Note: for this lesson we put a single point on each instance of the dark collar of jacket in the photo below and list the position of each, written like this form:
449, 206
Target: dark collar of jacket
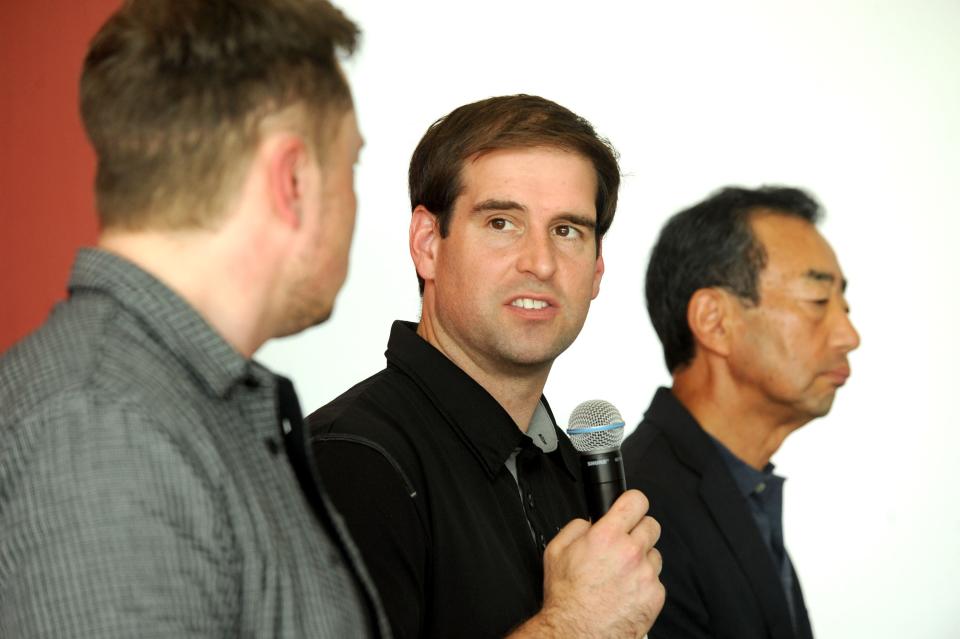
486, 429
719, 492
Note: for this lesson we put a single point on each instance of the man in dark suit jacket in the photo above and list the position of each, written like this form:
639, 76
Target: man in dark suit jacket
748, 300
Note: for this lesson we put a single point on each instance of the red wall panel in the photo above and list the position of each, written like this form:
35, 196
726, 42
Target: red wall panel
46, 164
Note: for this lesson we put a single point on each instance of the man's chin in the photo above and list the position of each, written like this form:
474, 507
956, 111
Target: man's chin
529, 359
822, 406
303, 322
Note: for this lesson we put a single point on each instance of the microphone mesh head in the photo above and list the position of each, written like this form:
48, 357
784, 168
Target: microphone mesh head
595, 425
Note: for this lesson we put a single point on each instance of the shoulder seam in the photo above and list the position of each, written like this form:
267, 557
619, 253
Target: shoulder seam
363, 441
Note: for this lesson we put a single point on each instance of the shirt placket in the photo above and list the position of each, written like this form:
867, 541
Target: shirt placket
528, 462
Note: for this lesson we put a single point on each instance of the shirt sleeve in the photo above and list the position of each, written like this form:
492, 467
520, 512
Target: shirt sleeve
111, 528
380, 505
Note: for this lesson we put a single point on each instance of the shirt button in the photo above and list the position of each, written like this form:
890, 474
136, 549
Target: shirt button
272, 445
761, 487
530, 502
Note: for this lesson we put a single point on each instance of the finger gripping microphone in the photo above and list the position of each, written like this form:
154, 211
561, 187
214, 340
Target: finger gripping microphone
596, 430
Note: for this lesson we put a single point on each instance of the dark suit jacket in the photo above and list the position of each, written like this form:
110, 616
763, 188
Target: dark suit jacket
720, 578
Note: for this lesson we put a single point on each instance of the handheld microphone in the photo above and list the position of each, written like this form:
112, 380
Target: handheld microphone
596, 430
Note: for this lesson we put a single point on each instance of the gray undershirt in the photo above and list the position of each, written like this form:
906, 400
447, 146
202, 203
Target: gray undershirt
541, 432
544, 436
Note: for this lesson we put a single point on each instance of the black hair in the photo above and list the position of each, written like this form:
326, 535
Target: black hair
711, 244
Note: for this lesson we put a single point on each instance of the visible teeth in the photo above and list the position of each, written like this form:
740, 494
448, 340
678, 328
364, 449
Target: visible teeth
528, 303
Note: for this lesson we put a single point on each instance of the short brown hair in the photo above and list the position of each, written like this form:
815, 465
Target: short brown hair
505, 122
173, 93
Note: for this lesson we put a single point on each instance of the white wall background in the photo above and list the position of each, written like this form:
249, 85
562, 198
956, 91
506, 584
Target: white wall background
857, 101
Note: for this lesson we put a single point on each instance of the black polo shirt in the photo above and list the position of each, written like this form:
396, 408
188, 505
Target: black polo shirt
415, 459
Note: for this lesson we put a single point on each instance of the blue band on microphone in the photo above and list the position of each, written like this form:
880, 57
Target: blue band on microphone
594, 429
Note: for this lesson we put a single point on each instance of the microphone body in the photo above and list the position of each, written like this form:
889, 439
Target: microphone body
603, 480
596, 430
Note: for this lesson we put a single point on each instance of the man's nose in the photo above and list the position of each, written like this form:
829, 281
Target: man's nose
538, 256
845, 335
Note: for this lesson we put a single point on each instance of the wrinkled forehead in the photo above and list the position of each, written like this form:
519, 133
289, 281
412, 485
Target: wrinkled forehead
794, 250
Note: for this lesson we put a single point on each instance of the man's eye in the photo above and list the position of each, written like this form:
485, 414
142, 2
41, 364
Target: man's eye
500, 224
565, 230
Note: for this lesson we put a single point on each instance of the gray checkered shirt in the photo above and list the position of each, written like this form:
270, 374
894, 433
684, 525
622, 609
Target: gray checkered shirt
144, 489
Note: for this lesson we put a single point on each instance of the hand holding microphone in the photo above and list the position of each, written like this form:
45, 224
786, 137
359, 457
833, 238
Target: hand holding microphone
601, 580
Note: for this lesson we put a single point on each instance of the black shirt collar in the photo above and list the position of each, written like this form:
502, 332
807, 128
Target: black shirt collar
667, 410
749, 480
483, 424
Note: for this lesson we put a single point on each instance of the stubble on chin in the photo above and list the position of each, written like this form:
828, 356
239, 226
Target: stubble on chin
301, 315
525, 352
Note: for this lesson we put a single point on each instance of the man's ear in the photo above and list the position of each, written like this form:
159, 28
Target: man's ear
598, 270
710, 320
286, 162
424, 242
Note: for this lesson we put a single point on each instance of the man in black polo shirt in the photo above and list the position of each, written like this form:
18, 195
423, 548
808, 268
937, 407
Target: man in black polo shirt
748, 300
448, 466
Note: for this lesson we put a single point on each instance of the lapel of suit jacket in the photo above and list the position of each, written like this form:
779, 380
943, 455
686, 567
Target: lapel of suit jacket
804, 630
727, 507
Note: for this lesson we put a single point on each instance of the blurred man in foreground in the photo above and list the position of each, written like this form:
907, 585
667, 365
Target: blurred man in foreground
149, 468
748, 300
448, 466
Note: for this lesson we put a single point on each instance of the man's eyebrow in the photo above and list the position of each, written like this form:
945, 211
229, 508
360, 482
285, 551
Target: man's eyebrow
823, 276
494, 204
579, 220
498, 205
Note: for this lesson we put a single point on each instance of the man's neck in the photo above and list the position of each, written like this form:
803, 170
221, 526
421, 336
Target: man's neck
208, 272
731, 415
517, 390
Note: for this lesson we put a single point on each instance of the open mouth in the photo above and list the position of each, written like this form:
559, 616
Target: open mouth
529, 303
